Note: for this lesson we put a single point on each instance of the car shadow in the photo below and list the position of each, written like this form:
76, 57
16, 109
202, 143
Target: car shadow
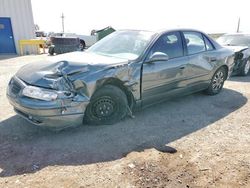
240, 78
26, 148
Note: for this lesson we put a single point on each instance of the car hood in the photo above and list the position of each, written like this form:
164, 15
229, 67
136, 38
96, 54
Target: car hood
45, 73
237, 48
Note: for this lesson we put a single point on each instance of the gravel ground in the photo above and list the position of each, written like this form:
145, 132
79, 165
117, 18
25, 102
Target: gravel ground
193, 141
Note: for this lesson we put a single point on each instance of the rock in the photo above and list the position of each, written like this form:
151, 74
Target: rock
131, 165
204, 169
17, 181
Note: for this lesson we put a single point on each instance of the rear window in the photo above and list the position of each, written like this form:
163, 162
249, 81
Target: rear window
195, 42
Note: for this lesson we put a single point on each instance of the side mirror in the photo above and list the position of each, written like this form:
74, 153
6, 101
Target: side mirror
158, 56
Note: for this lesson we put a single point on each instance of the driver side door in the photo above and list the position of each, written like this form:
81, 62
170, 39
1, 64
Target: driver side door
162, 77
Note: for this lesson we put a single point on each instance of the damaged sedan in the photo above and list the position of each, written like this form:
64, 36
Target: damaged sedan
240, 44
128, 69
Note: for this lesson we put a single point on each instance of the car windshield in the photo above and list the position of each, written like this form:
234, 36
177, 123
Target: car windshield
123, 44
234, 40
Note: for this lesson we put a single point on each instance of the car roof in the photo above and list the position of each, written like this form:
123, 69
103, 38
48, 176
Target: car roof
178, 29
161, 31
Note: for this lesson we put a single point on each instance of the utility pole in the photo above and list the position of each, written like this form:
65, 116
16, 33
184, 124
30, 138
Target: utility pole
238, 28
62, 22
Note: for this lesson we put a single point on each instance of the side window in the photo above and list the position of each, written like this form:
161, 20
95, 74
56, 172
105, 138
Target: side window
209, 45
195, 42
169, 44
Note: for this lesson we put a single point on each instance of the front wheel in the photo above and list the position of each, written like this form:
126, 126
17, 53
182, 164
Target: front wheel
217, 82
107, 106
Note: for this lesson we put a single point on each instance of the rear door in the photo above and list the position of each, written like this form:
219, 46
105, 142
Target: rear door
201, 57
7, 45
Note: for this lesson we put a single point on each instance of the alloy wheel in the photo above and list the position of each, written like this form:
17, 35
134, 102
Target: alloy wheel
218, 81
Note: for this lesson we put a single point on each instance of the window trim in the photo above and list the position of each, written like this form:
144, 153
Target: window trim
204, 37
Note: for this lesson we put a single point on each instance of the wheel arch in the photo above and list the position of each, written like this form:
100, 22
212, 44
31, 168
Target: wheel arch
120, 84
226, 69
82, 40
83, 43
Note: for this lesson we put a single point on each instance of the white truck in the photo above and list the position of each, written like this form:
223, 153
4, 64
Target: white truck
95, 36
85, 40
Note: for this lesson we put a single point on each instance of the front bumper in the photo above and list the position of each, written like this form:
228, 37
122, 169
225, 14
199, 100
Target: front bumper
60, 113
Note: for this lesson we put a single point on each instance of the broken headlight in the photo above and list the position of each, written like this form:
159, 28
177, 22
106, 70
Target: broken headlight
39, 93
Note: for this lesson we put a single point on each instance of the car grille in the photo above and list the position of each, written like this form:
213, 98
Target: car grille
15, 87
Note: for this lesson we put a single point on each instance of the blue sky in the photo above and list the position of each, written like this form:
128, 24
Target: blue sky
81, 16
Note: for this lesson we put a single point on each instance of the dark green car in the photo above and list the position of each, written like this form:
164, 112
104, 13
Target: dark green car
126, 70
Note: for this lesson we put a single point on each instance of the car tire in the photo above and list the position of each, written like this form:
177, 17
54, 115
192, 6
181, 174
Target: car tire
245, 69
107, 106
51, 50
217, 82
82, 45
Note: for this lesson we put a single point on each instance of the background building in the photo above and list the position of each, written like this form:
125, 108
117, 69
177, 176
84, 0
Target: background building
16, 23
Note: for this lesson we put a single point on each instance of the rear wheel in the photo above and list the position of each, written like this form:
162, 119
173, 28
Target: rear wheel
245, 69
82, 45
217, 82
107, 106
51, 50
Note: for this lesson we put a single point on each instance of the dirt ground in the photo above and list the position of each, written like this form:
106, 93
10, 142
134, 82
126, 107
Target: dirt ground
193, 141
